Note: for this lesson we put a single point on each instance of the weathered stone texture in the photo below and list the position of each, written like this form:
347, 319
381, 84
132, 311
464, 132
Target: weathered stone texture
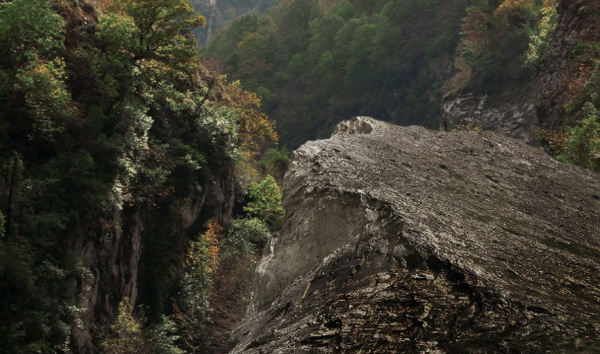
407, 240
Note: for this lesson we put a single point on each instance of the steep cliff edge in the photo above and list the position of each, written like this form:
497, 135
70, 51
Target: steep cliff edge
403, 239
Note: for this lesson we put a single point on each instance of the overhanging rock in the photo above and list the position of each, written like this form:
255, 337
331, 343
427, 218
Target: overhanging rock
407, 240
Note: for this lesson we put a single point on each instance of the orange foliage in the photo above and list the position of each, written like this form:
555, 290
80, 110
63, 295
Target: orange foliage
213, 241
554, 142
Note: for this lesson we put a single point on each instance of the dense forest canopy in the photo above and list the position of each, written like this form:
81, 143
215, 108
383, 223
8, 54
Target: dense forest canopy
318, 62
220, 14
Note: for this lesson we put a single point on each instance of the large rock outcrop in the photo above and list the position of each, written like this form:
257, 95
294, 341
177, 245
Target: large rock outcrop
516, 119
407, 240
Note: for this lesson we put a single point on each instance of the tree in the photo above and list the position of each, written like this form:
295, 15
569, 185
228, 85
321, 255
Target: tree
583, 141
126, 335
162, 29
29, 29
265, 202
255, 129
246, 236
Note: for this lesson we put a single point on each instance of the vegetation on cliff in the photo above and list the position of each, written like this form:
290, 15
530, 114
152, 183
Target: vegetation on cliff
104, 107
223, 12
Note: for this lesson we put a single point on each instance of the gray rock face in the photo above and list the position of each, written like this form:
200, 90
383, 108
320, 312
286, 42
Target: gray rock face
514, 119
407, 240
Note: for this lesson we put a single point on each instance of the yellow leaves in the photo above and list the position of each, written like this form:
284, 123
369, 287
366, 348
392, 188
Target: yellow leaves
255, 129
46, 96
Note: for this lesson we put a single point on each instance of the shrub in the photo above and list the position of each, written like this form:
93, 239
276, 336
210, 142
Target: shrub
265, 202
583, 141
246, 235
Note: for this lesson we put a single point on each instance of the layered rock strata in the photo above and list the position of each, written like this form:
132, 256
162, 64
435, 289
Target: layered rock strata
407, 240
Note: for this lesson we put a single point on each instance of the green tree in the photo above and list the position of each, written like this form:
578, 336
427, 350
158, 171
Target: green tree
29, 29
265, 202
583, 141
246, 236
127, 335
161, 27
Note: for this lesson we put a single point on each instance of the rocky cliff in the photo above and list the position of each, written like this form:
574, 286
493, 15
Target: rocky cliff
577, 24
516, 119
116, 261
406, 240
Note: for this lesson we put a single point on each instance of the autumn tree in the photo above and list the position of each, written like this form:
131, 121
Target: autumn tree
255, 129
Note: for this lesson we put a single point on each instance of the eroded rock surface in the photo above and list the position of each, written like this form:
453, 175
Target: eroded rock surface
516, 119
407, 240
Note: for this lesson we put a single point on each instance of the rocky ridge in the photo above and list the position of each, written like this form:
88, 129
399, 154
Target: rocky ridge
403, 239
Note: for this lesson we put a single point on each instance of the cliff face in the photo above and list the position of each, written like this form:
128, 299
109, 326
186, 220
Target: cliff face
516, 119
115, 263
577, 23
403, 239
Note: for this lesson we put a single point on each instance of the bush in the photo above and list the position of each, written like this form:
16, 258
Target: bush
583, 141
246, 235
275, 162
265, 202
129, 337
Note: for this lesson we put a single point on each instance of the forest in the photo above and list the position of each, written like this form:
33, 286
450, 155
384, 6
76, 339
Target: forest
140, 174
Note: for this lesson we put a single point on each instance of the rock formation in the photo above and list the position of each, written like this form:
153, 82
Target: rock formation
577, 23
516, 119
407, 240
115, 263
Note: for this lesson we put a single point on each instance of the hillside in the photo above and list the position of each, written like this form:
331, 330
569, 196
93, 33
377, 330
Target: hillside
220, 14
318, 62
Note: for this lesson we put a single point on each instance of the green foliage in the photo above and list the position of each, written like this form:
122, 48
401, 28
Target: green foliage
496, 40
46, 97
33, 321
160, 28
246, 236
2, 223
583, 141
265, 202
161, 337
321, 61
541, 34
196, 281
275, 162
29, 30
116, 115
126, 336
225, 12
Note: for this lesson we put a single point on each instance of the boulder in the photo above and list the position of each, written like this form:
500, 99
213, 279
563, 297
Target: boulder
400, 239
